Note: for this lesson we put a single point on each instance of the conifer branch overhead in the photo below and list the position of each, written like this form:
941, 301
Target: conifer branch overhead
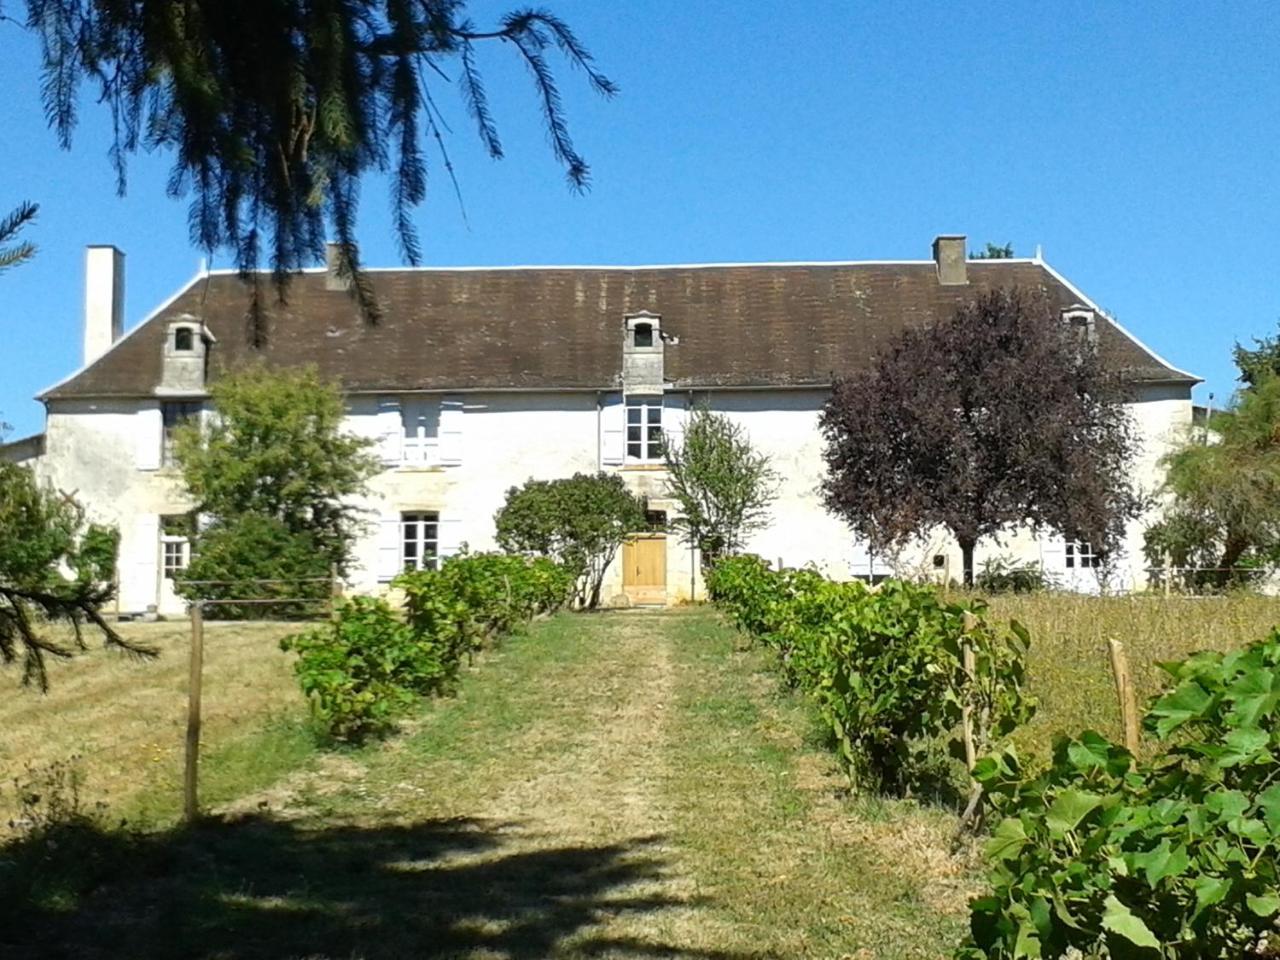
12, 254
275, 112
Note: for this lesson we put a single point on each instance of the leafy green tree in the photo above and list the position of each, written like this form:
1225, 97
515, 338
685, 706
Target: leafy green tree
272, 473
1261, 362
12, 251
998, 416
579, 521
1223, 512
993, 252
275, 112
53, 569
723, 484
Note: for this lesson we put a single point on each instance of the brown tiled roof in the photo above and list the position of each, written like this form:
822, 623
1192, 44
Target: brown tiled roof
561, 327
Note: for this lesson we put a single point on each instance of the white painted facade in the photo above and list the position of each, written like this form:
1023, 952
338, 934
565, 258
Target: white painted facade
463, 451
449, 458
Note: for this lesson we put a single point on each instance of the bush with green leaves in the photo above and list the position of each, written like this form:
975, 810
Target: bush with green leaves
363, 669
369, 665
259, 558
475, 596
1005, 575
578, 521
1176, 857
885, 665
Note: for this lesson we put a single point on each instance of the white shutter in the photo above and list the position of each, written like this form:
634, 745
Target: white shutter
390, 430
451, 430
140, 575
450, 536
389, 547
147, 430
675, 414
613, 430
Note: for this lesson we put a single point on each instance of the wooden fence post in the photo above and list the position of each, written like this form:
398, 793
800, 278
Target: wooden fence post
946, 574
335, 590
966, 712
1168, 577
190, 781
1124, 692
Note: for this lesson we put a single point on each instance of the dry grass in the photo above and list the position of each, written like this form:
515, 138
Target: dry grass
1070, 670
126, 719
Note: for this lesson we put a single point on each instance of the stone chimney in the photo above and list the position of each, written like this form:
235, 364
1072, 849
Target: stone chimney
337, 274
949, 256
103, 300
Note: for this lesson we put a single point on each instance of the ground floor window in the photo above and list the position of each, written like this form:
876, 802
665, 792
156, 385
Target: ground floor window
1080, 553
175, 544
420, 541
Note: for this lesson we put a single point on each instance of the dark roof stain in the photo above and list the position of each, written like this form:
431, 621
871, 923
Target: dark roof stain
561, 327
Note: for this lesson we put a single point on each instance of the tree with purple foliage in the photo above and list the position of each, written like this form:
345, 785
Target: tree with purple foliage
1000, 416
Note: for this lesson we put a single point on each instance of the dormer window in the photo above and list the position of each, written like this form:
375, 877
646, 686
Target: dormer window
1083, 324
644, 335
183, 340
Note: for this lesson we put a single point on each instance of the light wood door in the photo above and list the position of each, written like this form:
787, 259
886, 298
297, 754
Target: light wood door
644, 569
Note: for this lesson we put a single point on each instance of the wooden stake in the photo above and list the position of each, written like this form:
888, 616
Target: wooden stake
966, 712
946, 575
1168, 576
191, 806
335, 589
1124, 693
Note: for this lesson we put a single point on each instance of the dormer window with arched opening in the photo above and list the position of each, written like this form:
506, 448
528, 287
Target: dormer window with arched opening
643, 335
183, 340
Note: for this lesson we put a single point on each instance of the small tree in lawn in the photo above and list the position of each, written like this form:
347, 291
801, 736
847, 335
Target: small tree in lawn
579, 521
1000, 415
723, 485
53, 569
272, 474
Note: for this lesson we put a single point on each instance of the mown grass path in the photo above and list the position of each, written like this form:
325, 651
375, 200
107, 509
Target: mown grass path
619, 785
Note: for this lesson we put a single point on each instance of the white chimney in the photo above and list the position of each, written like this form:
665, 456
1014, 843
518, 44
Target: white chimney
103, 300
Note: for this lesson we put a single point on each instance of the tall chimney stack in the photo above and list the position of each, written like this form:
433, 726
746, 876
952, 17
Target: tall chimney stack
949, 255
103, 300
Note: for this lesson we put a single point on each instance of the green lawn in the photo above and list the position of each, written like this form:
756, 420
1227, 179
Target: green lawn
623, 785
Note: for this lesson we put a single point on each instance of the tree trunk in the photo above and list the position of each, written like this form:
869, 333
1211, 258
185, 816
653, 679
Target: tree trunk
1232, 551
966, 552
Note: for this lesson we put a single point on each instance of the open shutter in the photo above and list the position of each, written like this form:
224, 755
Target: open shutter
388, 564
140, 577
390, 430
450, 536
675, 415
613, 425
451, 430
147, 429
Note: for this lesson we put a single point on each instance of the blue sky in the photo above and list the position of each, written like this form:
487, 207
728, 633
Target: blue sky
1137, 143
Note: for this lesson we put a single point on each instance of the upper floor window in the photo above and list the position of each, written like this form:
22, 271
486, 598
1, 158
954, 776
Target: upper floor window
174, 413
420, 420
643, 335
183, 340
644, 429
419, 541
1081, 554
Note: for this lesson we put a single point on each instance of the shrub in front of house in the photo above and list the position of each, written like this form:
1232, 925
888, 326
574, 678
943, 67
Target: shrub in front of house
884, 666
368, 665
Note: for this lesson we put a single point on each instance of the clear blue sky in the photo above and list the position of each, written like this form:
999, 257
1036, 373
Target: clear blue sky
1138, 143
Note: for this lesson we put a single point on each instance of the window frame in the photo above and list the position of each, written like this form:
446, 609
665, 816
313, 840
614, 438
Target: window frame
1080, 555
173, 414
651, 448
422, 445
181, 334
180, 539
419, 520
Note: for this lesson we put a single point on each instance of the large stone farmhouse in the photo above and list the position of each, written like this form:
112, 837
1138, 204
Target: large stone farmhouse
478, 379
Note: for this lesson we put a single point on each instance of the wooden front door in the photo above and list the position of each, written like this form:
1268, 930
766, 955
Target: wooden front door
644, 568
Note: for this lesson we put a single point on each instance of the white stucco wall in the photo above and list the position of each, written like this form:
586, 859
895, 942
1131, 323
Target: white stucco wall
106, 453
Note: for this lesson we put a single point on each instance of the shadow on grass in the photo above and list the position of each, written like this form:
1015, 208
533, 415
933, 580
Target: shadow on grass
258, 887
